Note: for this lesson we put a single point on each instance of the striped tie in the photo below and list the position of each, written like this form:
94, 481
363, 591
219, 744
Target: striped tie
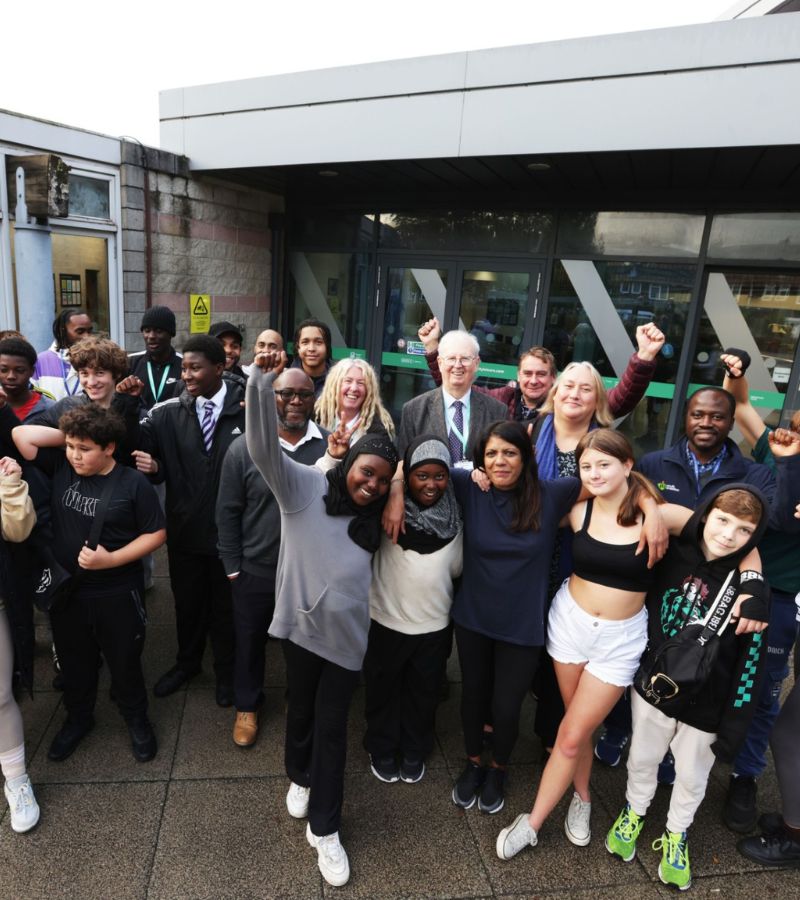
207, 426
453, 440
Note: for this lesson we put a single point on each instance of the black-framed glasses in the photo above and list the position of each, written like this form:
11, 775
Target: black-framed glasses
286, 394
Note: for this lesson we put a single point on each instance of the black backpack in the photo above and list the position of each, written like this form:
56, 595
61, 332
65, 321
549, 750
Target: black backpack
671, 676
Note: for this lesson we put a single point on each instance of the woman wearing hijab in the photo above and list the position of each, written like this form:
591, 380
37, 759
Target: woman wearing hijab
330, 527
410, 600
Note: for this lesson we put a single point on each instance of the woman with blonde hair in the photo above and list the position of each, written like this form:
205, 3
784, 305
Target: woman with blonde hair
352, 393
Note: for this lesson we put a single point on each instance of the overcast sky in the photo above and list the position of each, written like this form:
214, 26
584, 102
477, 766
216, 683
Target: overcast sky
100, 65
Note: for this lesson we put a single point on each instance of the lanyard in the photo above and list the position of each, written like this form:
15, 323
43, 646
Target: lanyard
66, 369
454, 428
157, 393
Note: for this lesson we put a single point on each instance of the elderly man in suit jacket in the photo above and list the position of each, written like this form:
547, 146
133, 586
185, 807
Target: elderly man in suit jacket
454, 412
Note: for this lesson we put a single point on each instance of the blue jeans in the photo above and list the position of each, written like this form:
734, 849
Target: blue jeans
751, 758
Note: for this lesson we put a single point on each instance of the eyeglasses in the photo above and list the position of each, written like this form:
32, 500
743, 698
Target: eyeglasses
460, 360
286, 394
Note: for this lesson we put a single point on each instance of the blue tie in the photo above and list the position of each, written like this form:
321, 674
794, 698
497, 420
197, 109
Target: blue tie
207, 425
453, 440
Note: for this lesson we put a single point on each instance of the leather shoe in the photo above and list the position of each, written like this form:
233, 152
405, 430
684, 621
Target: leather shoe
143, 739
224, 694
68, 738
245, 729
171, 681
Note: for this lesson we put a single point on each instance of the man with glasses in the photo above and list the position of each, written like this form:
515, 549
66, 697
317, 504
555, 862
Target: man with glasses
455, 412
249, 536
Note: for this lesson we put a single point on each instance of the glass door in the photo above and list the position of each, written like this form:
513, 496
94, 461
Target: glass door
408, 295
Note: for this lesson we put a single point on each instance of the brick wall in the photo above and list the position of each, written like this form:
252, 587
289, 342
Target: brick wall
208, 237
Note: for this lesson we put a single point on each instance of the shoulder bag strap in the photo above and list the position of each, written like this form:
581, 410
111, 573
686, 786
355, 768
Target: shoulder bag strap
717, 617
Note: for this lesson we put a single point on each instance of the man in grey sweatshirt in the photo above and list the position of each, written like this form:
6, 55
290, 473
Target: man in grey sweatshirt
249, 529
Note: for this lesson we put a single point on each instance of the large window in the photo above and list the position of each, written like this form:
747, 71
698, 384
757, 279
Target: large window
593, 313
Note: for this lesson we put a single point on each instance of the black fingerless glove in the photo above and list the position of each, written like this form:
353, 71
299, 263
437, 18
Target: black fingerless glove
743, 355
757, 605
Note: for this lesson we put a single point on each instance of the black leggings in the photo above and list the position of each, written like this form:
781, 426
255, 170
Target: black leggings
495, 676
784, 742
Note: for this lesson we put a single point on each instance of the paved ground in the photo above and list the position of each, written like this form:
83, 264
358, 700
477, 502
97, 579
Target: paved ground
207, 819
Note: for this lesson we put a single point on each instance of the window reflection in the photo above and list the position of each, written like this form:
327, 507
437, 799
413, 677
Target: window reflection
529, 232
332, 287
493, 307
629, 233
773, 236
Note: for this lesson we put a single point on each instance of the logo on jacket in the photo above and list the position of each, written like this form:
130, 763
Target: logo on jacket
45, 582
663, 486
237, 430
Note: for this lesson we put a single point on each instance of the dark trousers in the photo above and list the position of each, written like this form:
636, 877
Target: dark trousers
402, 676
115, 626
316, 732
549, 705
202, 607
253, 607
495, 675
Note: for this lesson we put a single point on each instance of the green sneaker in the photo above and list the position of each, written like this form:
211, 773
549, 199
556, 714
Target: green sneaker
621, 840
674, 866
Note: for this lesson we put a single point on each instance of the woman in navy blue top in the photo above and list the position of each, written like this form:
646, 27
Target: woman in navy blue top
499, 607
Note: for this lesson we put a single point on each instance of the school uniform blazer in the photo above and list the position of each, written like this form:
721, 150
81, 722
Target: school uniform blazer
425, 415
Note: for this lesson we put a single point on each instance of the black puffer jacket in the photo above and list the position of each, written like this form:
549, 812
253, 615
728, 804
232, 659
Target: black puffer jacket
171, 433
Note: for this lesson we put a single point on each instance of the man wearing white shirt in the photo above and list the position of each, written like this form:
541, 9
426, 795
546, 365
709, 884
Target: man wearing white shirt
248, 524
184, 442
454, 412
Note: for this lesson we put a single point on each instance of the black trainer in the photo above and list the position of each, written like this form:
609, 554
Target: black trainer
492, 798
69, 736
143, 739
384, 768
468, 784
777, 849
171, 681
740, 813
411, 770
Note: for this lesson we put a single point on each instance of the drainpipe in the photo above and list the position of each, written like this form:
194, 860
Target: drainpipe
33, 258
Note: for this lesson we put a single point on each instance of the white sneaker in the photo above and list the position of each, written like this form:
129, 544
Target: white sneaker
576, 824
516, 837
331, 857
297, 801
22, 803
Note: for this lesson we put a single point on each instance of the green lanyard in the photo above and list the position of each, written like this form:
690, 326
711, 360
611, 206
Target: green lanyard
157, 393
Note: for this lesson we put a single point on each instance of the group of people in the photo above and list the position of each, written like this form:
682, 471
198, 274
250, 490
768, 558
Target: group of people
513, 520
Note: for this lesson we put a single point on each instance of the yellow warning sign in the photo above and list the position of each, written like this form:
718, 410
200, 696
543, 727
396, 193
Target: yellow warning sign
199, 313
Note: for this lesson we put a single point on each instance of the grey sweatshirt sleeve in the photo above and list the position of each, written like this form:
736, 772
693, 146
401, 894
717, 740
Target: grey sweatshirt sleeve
231, 500
293, 484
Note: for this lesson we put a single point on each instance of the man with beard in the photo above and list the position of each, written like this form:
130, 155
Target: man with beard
249, 529
158, 366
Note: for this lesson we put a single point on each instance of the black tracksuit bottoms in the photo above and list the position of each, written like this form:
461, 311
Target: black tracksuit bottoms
203, 607
403, 675
253, 607
114, 626
320, 693
495, 676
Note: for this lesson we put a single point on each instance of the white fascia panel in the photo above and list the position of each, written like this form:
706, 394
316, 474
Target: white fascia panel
171, 136
38, 134
170, 104
775, 38
395, 128
719, 108
395, 77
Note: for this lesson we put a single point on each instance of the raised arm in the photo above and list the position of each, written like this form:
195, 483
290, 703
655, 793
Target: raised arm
747, 418
639, 373
294, 485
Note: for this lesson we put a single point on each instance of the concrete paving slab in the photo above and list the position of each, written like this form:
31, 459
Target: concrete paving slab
104, 755
555, 864
232, 839
408, 840
93, 842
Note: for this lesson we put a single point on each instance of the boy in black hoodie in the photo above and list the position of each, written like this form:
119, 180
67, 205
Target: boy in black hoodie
716, 542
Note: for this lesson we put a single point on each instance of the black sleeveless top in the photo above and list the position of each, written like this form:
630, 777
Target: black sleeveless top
611, 565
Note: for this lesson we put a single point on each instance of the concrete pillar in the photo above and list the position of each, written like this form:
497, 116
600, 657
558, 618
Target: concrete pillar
33, 261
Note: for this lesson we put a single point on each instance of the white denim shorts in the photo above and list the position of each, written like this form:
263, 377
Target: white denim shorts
610, 649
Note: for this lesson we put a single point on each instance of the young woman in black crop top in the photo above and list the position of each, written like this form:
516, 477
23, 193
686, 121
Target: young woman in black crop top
597, 628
